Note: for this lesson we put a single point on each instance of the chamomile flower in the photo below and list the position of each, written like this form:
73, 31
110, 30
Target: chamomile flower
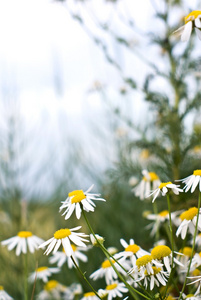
164, 188
188, 218
43, 273
77, 200
149, 181
51, 290
159, 219
158, 277
89, 296
192, 181
145, 264
4, 295
131, 251
192, 20
60, 257
115, 289
63, 237
108, 272
23, 241
163, 254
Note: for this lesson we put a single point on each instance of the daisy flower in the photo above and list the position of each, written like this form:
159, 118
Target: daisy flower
159, 219
108, 272
164, 188
95, 241
193, 20
149, 181
78, 200
63, 237
145, 264
163, 254
184, 260
188, 218
192, 181
115, 289
23, 241
51, 290
60, 257
4, 295
43, 273
131, 251
89, 296
158, 277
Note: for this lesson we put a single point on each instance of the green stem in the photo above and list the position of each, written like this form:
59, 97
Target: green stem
132, 290
193, 247
83, 275
25, 276
157, 222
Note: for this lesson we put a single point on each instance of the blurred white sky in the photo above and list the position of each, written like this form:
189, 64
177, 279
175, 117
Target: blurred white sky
48, 63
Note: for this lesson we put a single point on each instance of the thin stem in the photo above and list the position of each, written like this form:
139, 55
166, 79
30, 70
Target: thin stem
157, 222
83, 275
193, 247
25, 276
132, 290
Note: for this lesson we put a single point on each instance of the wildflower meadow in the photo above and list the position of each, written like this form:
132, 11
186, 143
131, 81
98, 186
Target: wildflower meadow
67, 249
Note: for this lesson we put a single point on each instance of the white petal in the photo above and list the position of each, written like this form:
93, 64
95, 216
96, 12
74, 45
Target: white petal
78, 210
187, 31
195, 183
197, 22
198, 31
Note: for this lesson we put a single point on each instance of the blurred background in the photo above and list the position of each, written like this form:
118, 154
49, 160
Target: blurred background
92, 92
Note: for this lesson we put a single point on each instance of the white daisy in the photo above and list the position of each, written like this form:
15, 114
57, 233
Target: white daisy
77, 200
193, 20
192, 181
144, 264
89, 296
115, 289
63, 237
158, 277
95, 241
51, 290
189, 218
159, 219
164, 188
149, 181
60, 257
4, 295
131, 251
163, 254
108, 272
43, 273
183, 256
23, 240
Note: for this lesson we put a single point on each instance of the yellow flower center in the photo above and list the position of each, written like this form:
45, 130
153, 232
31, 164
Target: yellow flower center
89, 294
189, 295
133, 248
163, 184
155, 269
163, 213
74, 247
77, 196
196, 272
111, 286
197, 173
153, 176
24, 234
189, 214
161, 251
106, 264
62, 233
1, 288
192, 16
50, 285
41, 269
143, 261
186, 251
